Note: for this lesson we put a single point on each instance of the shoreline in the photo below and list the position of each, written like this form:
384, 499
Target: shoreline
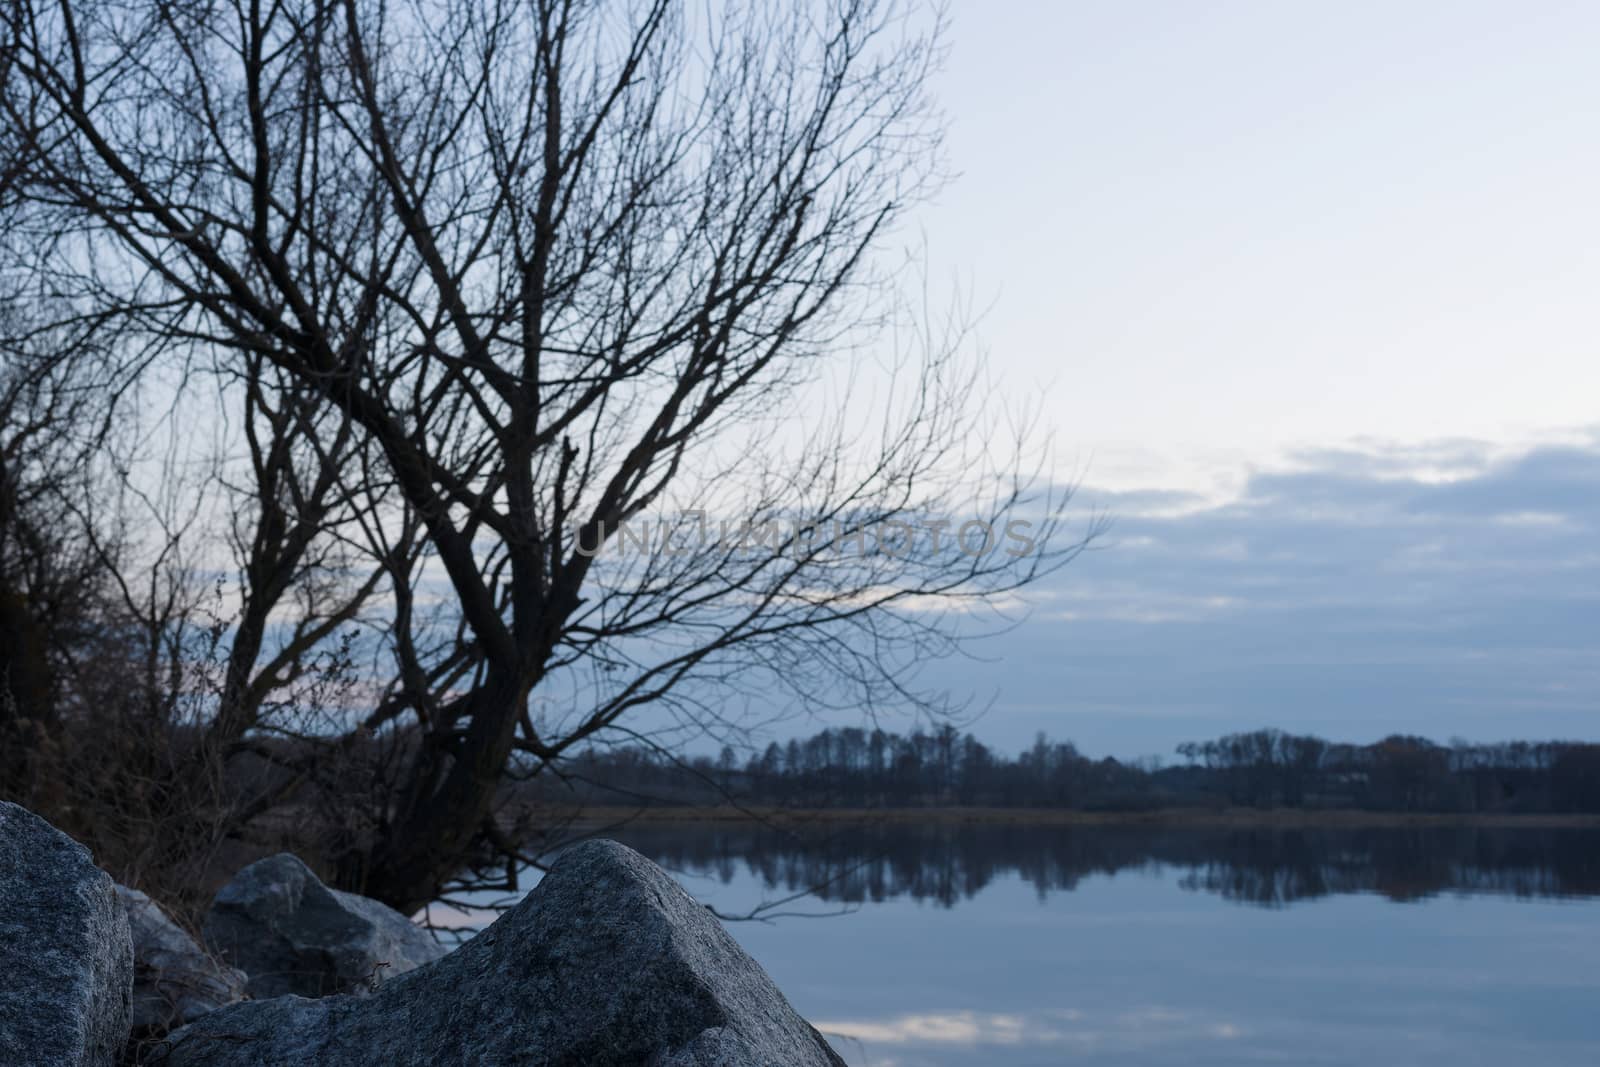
1160, 818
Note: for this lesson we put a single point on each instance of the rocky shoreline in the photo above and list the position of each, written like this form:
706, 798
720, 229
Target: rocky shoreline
607, 961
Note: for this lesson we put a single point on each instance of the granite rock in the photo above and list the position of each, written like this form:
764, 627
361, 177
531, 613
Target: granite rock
291, 934
66, 958
607, 962
175, 981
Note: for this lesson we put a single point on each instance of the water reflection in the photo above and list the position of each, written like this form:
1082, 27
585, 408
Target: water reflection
1125, 972
1271, 867
1058, 1031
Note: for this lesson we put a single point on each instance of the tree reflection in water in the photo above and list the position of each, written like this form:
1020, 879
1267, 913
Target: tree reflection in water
1270, 867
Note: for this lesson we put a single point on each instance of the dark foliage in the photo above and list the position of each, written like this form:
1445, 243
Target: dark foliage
1263, 769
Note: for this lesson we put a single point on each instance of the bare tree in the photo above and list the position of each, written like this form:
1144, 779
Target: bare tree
127, 680
547, 269
46, 573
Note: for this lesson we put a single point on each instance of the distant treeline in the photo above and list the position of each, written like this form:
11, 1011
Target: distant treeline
1266, 768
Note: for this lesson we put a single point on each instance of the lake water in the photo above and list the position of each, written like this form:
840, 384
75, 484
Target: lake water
1012, 945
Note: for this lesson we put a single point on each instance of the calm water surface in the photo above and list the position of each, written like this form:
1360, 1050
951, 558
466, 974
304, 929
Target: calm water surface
1041, 945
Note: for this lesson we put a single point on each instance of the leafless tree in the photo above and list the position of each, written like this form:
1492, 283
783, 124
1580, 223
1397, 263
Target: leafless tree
499, 280
46, 575
126, 679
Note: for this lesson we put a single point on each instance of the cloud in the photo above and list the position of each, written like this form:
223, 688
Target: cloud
1444, 588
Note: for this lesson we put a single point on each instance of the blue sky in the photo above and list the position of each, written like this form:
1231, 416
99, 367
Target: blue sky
1312, 289
1232, 228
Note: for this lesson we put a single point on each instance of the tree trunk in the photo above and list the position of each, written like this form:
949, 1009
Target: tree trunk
429, 839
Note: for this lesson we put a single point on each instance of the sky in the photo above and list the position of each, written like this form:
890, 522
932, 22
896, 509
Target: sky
1310, 291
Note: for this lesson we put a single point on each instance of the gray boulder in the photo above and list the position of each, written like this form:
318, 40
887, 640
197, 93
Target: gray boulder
175, 981
607, 962
66, 961
293, 935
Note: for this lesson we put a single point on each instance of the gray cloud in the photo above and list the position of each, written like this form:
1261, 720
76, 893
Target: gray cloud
1443, 589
